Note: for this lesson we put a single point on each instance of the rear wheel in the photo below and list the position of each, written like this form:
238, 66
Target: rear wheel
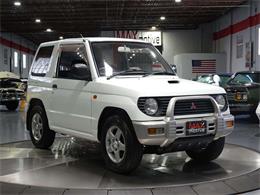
121, 150
41, 136
211, 152
12, 105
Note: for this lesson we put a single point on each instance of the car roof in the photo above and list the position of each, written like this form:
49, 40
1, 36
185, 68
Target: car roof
245, 72
92, 39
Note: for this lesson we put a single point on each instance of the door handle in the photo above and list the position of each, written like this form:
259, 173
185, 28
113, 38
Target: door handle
54, 86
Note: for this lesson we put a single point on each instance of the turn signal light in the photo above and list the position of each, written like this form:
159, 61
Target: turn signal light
229, 123
154, 131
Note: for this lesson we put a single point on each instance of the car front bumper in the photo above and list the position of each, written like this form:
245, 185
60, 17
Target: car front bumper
241, 107
172, 128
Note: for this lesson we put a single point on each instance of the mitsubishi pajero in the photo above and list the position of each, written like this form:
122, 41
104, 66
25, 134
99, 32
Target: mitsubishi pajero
124, 95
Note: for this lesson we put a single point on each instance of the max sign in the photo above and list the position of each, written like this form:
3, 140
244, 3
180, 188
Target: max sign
154, 37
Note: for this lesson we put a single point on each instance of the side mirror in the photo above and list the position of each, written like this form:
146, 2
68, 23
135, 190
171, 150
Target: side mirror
81, 71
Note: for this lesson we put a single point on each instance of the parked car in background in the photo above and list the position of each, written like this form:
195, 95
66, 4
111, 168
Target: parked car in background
243, 91
215, 79
11, 90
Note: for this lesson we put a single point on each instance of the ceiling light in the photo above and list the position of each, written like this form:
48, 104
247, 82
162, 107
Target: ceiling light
37, 20
48, 30
17, 3
153, 28
61, 37
178, 1
162, 18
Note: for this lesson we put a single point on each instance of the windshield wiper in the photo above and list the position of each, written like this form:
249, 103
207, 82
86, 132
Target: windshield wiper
159, 73
127, 71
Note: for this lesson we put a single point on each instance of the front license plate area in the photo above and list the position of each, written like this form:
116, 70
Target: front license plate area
196, 128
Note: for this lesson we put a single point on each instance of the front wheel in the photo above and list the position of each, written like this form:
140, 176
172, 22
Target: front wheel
211, 152
121, 150
12, 105
41, 136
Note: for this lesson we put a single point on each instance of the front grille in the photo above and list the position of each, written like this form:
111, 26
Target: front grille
10, 94
193, 106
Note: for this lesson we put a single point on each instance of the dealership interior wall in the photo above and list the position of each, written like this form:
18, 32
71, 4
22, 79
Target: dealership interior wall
240, 26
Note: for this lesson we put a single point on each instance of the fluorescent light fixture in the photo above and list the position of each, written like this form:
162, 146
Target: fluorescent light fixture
178, 1
61, 37
15, 59
162, 18
17, 3
153, 28
48, 30
24, 61
37, 20
259, 41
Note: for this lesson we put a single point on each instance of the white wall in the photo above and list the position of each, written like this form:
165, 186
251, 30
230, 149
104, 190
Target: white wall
23, 72
184, 63
228, 44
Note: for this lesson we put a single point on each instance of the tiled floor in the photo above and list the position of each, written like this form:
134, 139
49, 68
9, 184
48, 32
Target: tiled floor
19, 157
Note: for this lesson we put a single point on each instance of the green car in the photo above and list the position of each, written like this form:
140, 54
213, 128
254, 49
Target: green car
243, 92
209, 78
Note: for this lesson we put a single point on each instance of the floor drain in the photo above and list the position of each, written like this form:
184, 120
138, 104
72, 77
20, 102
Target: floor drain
257, 135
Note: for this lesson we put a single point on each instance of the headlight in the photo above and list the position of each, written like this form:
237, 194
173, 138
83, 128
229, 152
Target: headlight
221, 100
150, 106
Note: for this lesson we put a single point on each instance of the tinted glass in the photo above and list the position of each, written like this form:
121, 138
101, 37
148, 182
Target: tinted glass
114, 57
246, 78
42, 61
73, 63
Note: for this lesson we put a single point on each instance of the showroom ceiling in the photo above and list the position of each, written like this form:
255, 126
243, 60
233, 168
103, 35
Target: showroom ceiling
70, 18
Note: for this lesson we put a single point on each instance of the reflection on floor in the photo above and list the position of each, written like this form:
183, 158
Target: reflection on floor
76, 164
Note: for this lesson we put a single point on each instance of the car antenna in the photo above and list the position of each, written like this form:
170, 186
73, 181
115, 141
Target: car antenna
82, 37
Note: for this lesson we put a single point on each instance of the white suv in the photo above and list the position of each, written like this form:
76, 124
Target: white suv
123, 94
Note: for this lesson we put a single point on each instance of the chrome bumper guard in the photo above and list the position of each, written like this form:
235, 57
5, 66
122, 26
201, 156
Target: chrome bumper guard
175, 127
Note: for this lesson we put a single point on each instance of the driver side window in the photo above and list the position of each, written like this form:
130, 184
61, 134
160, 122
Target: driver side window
73, 63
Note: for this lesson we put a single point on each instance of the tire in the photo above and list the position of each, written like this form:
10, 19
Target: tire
46, 137
12, 106
213, 150
131, 157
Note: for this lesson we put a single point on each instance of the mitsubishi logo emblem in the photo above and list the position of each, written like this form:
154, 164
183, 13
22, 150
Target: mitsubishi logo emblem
193, 106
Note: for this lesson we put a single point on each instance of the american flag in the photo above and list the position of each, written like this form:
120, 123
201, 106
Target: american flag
203, 66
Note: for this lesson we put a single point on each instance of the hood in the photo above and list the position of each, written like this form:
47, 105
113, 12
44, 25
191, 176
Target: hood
7, 75
154, 86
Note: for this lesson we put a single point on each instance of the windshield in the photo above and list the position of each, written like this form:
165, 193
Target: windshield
128, 58
245, 78
205, 79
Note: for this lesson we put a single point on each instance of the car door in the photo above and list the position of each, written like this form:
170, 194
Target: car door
71, 96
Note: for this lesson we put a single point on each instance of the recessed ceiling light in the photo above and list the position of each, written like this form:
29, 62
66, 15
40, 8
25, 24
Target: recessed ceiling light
17, 3
153, 28
178, 1
162, 18
48, 30
61, 37
37, 20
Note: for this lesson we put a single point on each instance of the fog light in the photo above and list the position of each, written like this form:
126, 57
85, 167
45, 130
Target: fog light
229, 124
154, 131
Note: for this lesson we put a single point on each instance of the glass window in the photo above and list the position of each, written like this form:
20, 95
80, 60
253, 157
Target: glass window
128, 58
246, 78
24, 61
42, 61
73, 63
15, 59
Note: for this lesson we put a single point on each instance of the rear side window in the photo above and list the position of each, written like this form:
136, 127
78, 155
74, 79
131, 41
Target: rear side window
42, 61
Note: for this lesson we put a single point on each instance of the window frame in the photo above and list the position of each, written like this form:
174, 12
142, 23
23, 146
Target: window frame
59, 58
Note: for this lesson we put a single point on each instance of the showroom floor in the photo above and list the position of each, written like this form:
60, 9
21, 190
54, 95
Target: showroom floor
69, 165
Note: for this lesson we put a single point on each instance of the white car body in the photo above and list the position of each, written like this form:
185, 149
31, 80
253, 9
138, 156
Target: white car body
258, 111
72, 109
